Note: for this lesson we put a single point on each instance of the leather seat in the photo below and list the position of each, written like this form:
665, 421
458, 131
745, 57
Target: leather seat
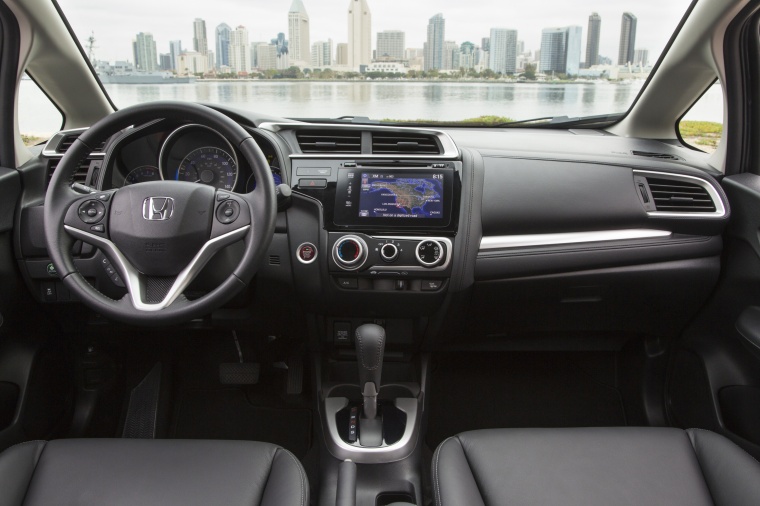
118, 472
594, 466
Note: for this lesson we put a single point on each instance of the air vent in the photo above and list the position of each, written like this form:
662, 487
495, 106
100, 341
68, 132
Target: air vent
394, 143
678, 196
659, 156
274, 260
68, 140
330, 141
79, 177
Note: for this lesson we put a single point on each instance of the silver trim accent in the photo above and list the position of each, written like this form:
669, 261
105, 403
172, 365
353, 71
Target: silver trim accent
523, 241
161, 206
373, 455
305, 262
359, 261
49, 150
232, 152
417, 268
720, 210
442, 256
450, 149
133, 278
391, 258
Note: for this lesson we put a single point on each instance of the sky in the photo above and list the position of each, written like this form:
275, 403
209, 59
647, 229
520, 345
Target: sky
116, 22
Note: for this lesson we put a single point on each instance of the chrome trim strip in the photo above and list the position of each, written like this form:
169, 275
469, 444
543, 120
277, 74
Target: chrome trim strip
372, 455
450, 149
528, 240
133, 278
720, 209
418, 268
49, 150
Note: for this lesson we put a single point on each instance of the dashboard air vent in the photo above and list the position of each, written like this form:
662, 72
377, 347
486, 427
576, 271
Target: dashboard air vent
79, 177
68, 140
660, 156
680, 196
330, 141
394, 143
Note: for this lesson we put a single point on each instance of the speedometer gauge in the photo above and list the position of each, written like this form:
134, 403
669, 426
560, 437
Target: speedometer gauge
212, 166
142, 174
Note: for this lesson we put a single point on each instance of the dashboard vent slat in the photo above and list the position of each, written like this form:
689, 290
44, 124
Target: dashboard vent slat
394, 143
68, 141
680, 196
79, 177
330, 141
660, 156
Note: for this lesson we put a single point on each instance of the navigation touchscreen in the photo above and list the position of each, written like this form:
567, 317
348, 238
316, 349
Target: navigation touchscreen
394, 197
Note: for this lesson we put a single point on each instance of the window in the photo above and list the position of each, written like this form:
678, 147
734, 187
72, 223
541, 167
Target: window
702, 126
38, 118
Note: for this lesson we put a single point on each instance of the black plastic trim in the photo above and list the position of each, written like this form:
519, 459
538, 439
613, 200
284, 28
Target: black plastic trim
9, 54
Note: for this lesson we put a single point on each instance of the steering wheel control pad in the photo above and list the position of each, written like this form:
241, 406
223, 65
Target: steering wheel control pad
160, 226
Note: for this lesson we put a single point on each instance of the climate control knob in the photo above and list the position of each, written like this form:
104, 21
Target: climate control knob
389, 252
430, 253
350, 252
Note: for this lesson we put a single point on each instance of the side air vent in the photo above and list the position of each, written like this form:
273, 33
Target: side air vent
677, 196
394, 143
330, 141
274, 259
68, 140
659, 156
79, 177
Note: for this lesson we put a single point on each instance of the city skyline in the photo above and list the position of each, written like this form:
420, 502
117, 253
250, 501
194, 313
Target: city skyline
327, 21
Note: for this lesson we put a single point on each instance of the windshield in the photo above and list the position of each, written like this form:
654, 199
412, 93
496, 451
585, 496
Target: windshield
389, 60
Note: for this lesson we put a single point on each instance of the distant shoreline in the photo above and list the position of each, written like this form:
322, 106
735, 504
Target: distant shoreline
479, 81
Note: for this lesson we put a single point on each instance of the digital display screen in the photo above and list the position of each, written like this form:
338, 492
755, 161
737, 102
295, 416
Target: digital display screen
386, 197
400, 197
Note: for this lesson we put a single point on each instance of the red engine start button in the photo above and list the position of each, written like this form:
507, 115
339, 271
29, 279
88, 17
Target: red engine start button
306, 253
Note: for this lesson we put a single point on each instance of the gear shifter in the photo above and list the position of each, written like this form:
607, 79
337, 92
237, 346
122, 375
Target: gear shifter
370, 345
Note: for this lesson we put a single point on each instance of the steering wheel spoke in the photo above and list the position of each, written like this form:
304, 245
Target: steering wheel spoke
154, 293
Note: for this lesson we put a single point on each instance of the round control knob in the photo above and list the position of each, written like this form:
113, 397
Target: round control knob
430, 253
389, 252
350, 252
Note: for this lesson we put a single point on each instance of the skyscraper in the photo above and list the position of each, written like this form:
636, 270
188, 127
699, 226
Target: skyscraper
450, 55
561, 50
592, 39
359, 34
165, 61
503, 52
175, 48
485, 43
200, 42
641, 57
321, 53
144, 49
391, 44
341, 54
223, 45
627, 39
240, 52
436, 31
298, 33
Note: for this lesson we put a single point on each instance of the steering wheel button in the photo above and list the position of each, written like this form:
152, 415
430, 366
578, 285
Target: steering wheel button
228, 211
98, 228
92, 211
222, 196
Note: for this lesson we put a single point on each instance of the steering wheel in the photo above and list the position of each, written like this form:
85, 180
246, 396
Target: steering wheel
159, 235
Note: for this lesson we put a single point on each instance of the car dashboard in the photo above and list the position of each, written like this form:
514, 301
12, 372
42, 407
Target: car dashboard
465, 234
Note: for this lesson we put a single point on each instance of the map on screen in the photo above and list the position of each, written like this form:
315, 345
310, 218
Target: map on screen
391, 196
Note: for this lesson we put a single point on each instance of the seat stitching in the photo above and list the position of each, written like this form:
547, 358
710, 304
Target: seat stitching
300, 472
435, 470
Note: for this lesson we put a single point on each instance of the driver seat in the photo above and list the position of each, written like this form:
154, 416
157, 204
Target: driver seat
120, 472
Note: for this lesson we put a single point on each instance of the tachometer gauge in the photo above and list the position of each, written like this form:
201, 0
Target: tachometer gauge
142, 174
276, 175
212, 166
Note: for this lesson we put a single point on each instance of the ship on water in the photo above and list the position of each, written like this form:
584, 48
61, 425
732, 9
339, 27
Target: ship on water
124, 72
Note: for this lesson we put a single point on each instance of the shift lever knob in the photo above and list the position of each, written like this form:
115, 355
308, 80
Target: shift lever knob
370, 345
